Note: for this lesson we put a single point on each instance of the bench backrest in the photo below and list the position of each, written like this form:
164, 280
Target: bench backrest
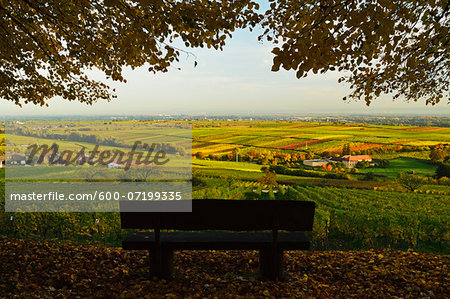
236, 215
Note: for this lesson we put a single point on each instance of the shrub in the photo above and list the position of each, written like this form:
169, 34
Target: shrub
437, 155
444, 181
354, 170
200, 155
363, 164
443, 170
337, 175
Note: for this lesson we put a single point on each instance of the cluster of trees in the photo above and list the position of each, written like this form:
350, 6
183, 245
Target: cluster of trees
346, 149
388, 149
74, 136
264, 157
281, 169
404, 120
272, 157
411, 181
337, 166
439, 154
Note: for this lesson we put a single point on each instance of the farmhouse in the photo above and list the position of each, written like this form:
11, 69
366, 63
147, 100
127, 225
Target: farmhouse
17, 159
315, 162
2, 161
351, 161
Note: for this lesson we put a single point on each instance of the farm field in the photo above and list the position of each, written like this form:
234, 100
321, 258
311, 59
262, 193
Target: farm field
242, 166
423, 155
221, 137
357, 217
419, 166
354, 210
217, 137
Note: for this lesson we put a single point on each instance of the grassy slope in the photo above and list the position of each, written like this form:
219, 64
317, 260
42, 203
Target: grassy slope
422, 167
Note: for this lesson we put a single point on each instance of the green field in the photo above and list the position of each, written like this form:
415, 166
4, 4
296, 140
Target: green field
242, 166
421, 167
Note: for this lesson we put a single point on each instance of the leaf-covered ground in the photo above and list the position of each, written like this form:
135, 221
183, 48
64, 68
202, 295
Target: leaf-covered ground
48, 269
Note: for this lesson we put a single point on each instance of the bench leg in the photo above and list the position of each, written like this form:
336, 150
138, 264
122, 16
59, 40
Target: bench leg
161, 263
271, 263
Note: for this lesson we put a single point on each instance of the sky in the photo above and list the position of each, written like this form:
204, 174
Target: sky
237, 80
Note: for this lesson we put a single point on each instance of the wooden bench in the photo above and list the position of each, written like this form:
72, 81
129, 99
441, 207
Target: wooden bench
270, 226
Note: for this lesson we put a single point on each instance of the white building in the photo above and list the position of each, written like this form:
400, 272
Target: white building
17, 159
315, 163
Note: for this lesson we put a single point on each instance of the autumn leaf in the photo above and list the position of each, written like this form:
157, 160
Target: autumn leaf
50, 269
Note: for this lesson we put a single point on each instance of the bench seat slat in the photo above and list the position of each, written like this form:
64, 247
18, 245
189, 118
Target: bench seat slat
216, 240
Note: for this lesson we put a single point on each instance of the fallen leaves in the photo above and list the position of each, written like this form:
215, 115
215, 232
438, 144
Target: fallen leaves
58, 270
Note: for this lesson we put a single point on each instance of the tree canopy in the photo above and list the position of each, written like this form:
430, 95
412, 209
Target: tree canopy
398, 47
385, 46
